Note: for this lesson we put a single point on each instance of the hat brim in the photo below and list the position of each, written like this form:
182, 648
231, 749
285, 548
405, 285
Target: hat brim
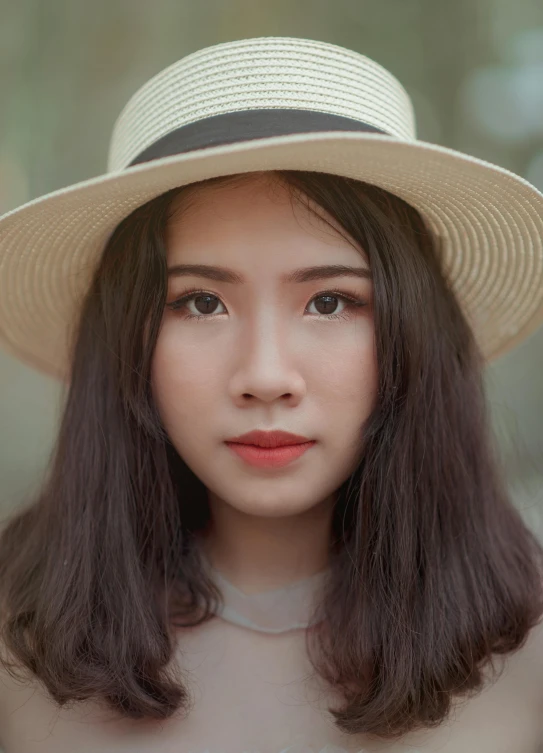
489, 222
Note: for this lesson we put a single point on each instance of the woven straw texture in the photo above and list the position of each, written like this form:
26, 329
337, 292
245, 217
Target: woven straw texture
261, 73
489, 221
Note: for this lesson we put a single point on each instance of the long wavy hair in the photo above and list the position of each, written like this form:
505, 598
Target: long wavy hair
432, 569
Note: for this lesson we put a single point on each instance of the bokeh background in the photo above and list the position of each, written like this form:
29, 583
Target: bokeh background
474, 69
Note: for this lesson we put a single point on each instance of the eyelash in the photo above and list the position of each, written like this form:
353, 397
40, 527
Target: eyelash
353, 303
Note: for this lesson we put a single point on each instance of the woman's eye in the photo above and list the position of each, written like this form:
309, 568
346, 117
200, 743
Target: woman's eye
206, 303
326, 304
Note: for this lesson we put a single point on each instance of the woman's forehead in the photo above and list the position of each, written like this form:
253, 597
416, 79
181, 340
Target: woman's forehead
253, 209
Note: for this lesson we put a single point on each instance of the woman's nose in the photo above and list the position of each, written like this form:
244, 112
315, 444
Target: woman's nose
267, 366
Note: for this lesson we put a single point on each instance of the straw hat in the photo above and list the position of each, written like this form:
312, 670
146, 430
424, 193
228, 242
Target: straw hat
263, 104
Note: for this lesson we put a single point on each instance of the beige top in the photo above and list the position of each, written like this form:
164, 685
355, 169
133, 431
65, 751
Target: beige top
254, 691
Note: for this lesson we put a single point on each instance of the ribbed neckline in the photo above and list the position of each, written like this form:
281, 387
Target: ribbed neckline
271, 611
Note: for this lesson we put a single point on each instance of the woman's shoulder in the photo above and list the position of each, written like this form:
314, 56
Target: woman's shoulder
527, 663
13, 691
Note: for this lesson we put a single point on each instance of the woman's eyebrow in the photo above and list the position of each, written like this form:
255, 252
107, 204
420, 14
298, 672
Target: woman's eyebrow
302, 274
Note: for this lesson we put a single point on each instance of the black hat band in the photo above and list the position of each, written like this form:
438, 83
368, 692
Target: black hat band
232, 127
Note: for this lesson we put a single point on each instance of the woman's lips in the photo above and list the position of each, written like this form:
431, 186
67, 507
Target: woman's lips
269, 457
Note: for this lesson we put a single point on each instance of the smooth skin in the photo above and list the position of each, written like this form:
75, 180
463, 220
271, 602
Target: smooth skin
268, 359
265, 354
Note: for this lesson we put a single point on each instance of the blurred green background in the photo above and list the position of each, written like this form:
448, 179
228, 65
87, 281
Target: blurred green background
474, 69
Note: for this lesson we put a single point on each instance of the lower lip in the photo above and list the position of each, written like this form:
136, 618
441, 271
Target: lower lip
269, 457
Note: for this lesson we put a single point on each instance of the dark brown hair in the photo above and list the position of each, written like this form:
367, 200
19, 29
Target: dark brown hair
432, 567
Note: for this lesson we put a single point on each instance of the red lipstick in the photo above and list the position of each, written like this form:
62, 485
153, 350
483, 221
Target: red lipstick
269, 449
269, 438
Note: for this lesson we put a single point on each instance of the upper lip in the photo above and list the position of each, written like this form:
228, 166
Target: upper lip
269, 438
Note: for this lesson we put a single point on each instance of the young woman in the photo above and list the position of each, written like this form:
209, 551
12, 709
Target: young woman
274, 518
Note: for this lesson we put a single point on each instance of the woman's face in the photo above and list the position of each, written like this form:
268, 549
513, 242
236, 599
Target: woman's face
265, 353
